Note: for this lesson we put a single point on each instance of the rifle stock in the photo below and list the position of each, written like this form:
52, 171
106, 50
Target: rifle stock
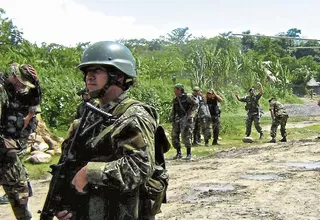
60, 189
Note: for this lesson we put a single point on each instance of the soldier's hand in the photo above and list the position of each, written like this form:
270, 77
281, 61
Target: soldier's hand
64, 215
80, 179
30, 70
236, 94
190, 120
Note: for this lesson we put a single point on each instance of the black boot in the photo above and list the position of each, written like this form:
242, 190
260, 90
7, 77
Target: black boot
178, 155
206, 143
261, 136
284, 139
215, 142
188, 153
273, 140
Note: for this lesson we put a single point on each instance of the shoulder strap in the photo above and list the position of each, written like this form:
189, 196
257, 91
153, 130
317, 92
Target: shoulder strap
117, 112
123, 106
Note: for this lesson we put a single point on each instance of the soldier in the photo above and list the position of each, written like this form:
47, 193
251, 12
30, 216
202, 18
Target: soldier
212, 101
253, 110
202, 119
279, 117
120, 155
182, 116
20, 99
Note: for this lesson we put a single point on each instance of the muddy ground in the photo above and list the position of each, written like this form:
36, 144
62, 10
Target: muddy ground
269, 181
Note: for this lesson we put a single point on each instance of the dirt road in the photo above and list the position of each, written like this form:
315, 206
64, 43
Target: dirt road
272, 181
278, 181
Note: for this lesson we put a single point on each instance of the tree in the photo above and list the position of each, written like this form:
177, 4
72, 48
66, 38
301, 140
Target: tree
9, 33
179, 36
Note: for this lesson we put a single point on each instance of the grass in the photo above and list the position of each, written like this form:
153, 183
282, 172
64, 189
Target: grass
232, 132
40, 171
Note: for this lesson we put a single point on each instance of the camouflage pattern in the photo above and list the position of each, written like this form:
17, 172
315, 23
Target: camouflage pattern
202, 122
13, 175
126, 148
215, 117
253, 112
183, 120
280, 118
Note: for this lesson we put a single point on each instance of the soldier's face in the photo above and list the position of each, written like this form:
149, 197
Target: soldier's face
177, 92
96, 77
19, 86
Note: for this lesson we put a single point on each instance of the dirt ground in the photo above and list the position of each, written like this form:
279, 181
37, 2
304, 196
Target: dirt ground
277, 181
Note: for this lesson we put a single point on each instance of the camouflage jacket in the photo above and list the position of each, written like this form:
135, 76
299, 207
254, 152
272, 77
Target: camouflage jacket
15, 107
120, 160
278, 109
185, 105
252, 103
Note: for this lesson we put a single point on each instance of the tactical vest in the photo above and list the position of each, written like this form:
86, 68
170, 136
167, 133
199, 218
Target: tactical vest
252, 104
181, 109
279, 110
98, 147
13, 116
213, 107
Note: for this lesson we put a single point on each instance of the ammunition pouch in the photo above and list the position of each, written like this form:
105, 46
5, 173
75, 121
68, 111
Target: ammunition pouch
155, 189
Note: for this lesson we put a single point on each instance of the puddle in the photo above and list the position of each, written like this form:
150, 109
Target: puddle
214, 188
262, 177
306, 165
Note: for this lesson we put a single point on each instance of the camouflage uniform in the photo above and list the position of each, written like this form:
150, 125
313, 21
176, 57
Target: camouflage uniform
253, 113
127, 152
215, 118
14, 108
183, 111
119, 155
280, 118
202, 122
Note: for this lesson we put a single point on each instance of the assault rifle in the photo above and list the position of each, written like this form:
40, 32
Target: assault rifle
61, 195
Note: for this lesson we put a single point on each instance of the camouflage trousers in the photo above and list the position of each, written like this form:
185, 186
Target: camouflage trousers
15, 182
202, 125
183, 127
282, 121
216, 122
253, 118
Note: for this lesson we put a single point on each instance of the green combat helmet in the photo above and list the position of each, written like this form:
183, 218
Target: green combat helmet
196, 89
110, 54
178, 86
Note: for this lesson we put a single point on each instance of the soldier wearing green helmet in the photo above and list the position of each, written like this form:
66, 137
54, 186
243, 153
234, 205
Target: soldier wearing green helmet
182, 115
120, 155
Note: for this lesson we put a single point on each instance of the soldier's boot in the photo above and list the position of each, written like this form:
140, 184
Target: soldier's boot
178, 155
4, 199
284, 139
188, 157
206, 143
261, 136
215, 142
273, 140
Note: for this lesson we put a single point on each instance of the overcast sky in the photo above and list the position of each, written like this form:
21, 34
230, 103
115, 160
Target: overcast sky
69, 22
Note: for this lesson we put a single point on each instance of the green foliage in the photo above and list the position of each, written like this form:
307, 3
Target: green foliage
225, 63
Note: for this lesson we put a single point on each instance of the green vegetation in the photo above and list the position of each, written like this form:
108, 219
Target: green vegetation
226, 63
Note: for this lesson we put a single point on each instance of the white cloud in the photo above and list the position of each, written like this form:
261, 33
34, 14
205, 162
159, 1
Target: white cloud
66, 22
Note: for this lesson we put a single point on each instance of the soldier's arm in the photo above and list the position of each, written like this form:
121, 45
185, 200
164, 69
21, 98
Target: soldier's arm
133, 138
217, 97
272, 111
